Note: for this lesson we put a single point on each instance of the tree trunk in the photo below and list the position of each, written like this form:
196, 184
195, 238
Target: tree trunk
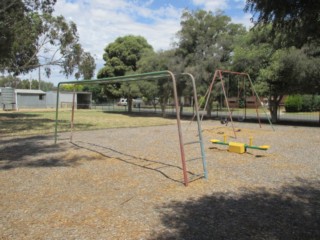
273, 111
274, 102
181, 107
163, 105
130, 104
209, 108
163, 109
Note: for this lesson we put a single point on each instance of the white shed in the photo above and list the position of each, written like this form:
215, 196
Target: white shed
15, 99
82, 99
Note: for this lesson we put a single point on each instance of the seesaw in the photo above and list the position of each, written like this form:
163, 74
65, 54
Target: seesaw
239, 147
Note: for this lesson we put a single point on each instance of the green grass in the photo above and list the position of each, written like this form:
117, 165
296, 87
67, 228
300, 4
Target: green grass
43, 122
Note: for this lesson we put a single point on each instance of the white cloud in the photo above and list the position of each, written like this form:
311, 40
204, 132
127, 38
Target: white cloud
244, 19
212, 5
100, 22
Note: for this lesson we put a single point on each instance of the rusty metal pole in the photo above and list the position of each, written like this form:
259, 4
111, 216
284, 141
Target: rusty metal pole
183, 158
72, 114
227, 102
209, 92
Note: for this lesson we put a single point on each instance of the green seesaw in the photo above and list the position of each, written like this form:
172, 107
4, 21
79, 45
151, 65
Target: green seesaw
239, 147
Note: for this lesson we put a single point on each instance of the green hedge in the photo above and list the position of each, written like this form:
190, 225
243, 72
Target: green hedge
302, 103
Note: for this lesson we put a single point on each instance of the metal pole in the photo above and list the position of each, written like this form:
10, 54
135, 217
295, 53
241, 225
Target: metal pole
137, 77
260, 101
203, 154
209, 92
225, 96
72, 113
57, 114
183, 159
39, 78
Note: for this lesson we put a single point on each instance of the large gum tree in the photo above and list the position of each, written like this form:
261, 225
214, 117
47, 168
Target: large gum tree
32, 37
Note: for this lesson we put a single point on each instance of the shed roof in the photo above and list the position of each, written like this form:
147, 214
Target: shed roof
69, 92
29, 91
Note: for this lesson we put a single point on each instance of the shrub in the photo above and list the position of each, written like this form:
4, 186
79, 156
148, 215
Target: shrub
242, 103
317, 103
202, 101
293, 103
307, 103
302, 103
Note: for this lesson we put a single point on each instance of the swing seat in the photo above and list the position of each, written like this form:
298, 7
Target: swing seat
240, 119
224, 121
264, 147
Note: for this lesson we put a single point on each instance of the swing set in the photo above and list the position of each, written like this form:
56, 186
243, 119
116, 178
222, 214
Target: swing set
151, 76
240, 100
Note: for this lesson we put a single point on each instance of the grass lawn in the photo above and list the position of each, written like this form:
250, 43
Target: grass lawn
43, 122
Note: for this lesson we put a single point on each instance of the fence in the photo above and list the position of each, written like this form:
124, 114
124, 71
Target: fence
238, 114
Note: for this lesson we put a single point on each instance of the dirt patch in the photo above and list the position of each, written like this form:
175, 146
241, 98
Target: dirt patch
127, 184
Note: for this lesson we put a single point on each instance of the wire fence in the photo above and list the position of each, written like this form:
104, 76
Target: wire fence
237, 114
187, 111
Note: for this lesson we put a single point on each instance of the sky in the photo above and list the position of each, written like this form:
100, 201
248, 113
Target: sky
100, 22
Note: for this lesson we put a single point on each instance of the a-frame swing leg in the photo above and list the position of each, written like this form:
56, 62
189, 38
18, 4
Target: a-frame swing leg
227, 103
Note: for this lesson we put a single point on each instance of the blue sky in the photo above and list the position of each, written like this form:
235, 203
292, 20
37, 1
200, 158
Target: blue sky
100, 22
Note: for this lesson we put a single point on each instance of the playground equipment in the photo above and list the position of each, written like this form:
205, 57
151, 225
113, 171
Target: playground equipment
237, 147
149, 76
218, 75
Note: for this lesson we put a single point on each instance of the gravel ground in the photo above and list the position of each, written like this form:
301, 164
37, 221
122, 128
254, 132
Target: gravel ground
127, 184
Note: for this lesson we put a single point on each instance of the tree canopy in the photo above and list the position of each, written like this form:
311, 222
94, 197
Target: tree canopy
206, 42
121, 58
122, 55
30, 37
276, 70
15, 82
299, 20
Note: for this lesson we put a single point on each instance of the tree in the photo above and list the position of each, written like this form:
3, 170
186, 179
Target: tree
121, 58
122, 55
86, 66
31, 37
277, 71
206, 43
162, 88
299, 20
15, 82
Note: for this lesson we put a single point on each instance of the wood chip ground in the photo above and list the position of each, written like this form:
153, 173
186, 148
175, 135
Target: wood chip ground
127, 184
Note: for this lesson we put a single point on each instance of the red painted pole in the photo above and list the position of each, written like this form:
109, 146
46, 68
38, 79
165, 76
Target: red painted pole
183, 158
72, 114
227, 102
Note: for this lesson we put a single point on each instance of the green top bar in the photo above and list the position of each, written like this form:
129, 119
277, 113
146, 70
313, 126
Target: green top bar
134, 77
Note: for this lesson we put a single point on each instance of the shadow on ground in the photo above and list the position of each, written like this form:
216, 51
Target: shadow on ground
32, 152
292, 212
162, 168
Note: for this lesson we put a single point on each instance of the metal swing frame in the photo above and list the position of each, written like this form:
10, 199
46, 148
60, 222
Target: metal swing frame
141, 77
218, 74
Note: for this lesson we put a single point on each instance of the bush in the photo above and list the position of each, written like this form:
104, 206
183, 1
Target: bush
309, 103
242, 103
293, 103
202, 101
302, 103
317, 103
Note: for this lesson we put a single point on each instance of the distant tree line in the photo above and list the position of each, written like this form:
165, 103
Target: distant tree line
15, 82
32, 37
281, 53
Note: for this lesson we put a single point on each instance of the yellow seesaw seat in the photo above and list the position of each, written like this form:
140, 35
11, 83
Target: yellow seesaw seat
239, 147
264, 147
